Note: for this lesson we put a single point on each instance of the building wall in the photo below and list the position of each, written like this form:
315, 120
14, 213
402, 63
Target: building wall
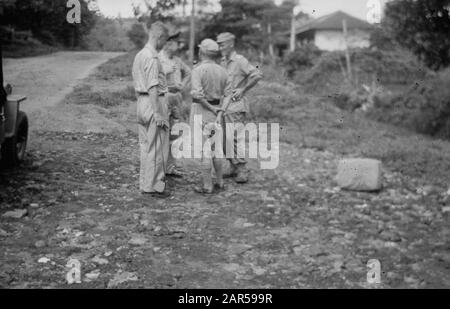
331, 40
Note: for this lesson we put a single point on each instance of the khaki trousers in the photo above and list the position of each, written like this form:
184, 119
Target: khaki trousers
154, 148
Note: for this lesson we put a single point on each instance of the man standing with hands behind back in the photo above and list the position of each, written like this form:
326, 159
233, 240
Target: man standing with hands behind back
208, 85
152, 113
242, 77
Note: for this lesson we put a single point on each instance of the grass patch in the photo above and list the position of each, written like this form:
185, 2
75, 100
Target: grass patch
83, 95
327, 76
424, 107
314, 122
117, 68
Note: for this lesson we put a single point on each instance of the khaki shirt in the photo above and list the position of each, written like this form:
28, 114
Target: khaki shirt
175, 69
148, 72
238, 70
209, 81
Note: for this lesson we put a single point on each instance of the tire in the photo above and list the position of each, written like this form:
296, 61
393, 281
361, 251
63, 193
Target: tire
14, 148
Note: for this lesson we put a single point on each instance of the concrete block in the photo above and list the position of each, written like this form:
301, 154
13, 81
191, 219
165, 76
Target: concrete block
360, 175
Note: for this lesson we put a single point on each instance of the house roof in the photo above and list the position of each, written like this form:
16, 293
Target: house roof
333, 21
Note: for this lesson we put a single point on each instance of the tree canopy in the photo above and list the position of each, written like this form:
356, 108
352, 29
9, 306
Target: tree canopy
47, 20
423, 26
249, 20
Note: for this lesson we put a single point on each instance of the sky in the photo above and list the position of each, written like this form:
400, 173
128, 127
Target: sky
315, 8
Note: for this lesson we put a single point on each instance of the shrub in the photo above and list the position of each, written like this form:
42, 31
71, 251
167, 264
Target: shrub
327, 76
425, 107
47, 37
302, 58
138, 35
382, 39
273, 101
109, 35
30, 48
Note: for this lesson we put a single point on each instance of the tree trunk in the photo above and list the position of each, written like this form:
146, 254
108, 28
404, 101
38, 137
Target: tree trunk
192, 35
269, 32
347, 53
292, 41
184, 3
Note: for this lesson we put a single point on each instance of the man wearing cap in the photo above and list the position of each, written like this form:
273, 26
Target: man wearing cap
177, 75
242, 77
208, 85
152, 113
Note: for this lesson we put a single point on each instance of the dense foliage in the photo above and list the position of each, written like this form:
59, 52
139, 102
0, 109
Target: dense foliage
256, 23
46, 19
138, 35
422, 26
303, 58
424, 107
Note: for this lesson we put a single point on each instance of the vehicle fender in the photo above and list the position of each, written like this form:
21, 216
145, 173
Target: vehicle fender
2, 131
11, 112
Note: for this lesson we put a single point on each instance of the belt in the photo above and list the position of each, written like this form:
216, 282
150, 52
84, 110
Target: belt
212, 102
146, 94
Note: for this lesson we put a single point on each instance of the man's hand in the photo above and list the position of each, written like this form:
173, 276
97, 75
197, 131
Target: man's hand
238, 94
175, 88
162, 124
219, 117
216, 110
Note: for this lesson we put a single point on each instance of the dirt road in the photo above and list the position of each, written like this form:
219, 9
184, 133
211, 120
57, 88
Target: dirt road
46, 80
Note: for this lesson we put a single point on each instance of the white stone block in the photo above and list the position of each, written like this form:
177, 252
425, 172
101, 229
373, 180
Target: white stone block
359, 175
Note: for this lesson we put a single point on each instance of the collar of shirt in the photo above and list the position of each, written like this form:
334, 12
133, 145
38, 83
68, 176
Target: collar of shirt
232, 57
207, 61
163, 55
151, 48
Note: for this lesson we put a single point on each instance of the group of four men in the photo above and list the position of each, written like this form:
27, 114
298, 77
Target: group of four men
218, 92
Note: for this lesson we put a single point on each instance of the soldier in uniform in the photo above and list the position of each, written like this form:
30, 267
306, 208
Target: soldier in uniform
242, 77
178, 75
208, 86
152, 113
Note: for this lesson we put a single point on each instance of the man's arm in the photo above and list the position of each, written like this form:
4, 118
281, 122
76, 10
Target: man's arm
186, 73
252, 80
253, 76
161, 121
152, 71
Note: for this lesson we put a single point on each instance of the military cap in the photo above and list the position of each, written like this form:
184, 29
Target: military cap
209, 46
174, 35
224, 37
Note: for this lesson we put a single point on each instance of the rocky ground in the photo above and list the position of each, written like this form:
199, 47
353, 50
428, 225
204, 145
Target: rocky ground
76, 197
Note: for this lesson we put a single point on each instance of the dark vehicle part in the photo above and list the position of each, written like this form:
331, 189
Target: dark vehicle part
13, 125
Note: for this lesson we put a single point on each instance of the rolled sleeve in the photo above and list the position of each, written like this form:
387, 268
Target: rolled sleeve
247, 68
197, 91
151, 70
185, 69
